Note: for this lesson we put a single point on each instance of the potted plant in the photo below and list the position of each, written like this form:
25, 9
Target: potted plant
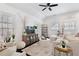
63, 44
24, 32
13, 36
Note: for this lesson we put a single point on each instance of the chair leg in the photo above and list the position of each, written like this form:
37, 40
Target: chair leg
71, 54
59, 54
66, 54
54, 52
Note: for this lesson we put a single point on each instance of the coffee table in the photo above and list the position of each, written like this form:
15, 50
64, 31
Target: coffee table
67, 51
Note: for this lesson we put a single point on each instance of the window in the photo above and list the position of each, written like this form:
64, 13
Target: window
55, 27
6, 25
69, 27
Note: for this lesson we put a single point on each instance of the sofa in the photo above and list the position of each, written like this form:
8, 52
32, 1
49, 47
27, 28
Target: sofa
75, 47
9, 49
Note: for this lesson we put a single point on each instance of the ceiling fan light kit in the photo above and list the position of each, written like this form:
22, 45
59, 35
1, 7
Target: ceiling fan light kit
48, 5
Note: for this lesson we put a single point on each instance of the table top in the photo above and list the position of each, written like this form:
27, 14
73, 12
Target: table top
41, 48
66, 50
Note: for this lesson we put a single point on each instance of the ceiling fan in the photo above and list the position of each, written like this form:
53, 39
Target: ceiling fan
48, 5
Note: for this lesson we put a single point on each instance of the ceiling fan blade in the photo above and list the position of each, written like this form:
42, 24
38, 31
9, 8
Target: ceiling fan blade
53, 5
50, 9
48, 4
43, 9
43, 5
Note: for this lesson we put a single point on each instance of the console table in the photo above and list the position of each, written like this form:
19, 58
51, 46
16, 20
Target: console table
30, 39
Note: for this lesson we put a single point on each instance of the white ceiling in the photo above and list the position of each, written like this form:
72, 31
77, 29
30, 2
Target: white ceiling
35, 10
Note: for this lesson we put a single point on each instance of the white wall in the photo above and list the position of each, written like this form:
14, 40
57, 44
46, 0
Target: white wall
31, 20
51, 20
18, 19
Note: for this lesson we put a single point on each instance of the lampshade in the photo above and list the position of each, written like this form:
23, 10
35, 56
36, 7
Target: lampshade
20, 45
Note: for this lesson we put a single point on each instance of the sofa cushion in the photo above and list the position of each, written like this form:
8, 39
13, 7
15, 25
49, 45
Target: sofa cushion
8, 51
